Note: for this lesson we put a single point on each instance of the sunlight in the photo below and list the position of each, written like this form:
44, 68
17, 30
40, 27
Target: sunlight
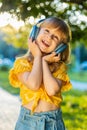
6, 18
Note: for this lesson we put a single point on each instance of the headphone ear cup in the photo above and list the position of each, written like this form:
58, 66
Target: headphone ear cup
34, 32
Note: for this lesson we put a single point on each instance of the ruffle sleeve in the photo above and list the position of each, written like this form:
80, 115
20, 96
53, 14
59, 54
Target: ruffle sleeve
61, 74
20, 66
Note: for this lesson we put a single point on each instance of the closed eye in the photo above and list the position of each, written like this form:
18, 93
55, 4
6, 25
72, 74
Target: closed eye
55, 37
46, 30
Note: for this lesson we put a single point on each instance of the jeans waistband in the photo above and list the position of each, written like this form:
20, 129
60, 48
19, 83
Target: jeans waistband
40, 121
55, 114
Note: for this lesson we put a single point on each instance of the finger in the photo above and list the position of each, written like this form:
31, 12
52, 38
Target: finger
53, 53
56, 59
29, 40
59, 55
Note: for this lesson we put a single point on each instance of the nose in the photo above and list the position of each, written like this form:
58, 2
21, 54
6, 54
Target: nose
49, 36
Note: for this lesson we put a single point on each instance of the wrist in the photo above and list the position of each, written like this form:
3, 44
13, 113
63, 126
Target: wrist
38, 57
44, 60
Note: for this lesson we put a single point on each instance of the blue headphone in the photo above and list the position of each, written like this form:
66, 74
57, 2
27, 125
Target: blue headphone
35, 30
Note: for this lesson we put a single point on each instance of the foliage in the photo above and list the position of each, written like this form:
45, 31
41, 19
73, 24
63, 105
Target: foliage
45, 7
16, 37
31, 7
70, 10
4, 68
8, 50
78, 76
75, 110
4, 83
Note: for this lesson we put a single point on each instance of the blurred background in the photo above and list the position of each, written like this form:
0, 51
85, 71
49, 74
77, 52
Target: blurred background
16, 19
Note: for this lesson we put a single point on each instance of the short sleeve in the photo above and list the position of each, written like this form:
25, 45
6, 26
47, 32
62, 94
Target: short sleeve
61, 74
20, 66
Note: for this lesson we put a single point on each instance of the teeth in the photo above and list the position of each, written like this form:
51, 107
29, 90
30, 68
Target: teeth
45, 42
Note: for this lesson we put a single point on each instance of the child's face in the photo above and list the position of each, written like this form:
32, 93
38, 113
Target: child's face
48, 39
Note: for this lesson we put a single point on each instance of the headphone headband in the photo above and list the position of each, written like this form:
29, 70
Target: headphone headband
40, 21
35, 30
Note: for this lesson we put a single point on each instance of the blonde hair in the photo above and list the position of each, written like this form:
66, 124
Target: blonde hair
65, 36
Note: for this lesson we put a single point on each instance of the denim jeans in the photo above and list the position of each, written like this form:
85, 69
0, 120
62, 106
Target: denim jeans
51, 120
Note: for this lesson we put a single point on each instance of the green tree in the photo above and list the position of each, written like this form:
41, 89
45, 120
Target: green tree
70, 10
27, 8
17, 38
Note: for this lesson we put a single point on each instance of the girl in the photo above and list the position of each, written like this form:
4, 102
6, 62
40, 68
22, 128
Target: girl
42, 76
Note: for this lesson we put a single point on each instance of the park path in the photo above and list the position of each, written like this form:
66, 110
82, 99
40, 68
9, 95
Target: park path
9, 110
10, 107
79, 85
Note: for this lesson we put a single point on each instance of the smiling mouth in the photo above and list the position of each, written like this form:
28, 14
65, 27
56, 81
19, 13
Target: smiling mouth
45, 43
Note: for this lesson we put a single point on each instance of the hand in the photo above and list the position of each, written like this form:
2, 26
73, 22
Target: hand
50, 58
33, 47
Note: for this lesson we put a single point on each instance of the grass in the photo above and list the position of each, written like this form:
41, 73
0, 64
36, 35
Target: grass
74, 105
74, 109
78, 76
4, 83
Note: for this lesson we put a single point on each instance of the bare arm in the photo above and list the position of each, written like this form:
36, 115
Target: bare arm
52, 85
33, 79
